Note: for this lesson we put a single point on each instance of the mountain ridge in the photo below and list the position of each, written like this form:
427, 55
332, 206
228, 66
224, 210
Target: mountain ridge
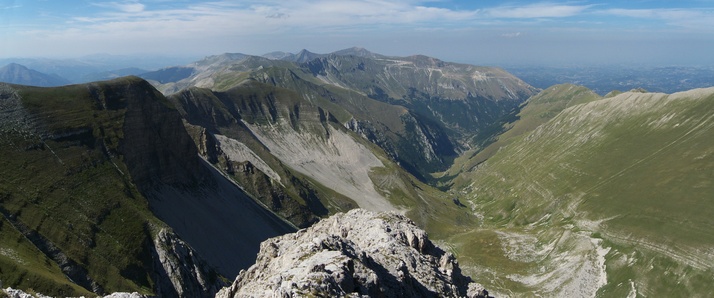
445, 102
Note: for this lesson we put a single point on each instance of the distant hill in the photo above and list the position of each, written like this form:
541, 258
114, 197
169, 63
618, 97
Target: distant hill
14, 73
113, 74
169, 74
86, 69
305, 55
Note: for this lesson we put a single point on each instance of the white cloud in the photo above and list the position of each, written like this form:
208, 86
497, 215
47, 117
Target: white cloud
538, 10
262, 17
125, 6
689, 18
269, 16
511, 35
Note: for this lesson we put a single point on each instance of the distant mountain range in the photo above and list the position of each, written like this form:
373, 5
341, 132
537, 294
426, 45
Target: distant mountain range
97, 67
17, 74
603, 79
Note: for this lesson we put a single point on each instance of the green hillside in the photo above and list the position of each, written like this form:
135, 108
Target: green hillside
619, 189
92, 174
535, 111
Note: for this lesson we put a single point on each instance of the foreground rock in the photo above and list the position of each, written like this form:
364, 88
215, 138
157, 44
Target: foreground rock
354, 254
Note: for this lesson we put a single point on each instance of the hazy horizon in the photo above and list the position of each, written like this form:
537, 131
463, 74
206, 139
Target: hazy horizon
480, 32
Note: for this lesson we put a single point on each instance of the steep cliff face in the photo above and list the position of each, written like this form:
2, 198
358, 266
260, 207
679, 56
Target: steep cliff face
155, 147
292, 152
224, 141
359, 253
100, 190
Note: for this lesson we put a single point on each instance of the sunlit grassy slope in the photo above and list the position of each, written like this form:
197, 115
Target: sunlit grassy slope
537, 110
612, 196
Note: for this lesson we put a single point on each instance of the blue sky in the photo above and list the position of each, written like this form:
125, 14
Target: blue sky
475, 31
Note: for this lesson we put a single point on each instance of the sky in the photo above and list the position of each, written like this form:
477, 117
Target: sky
486, 32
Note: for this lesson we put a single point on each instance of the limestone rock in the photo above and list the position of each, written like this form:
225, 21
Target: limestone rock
359, 253
182, 273
15, 293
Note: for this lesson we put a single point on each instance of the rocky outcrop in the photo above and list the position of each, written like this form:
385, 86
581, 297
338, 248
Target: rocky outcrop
15, 293
181, 271
359, 253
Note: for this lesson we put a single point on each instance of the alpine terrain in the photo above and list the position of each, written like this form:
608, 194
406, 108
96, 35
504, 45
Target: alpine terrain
322, 174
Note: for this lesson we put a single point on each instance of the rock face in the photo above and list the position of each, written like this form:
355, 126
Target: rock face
156, 148
359, 253
178, 263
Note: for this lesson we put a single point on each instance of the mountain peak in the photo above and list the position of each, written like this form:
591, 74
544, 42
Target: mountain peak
305, 56
304, 52
356, 51
14, 65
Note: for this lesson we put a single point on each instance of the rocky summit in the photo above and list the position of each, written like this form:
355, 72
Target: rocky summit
354, 254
